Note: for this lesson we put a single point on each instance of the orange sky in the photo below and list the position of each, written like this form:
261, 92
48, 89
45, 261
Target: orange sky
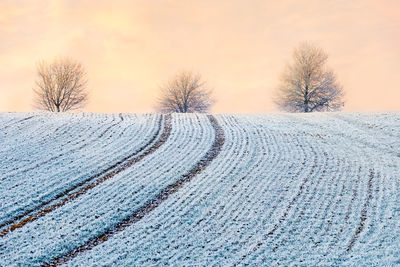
240, 47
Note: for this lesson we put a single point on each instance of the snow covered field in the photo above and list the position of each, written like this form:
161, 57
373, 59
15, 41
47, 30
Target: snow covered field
125, 189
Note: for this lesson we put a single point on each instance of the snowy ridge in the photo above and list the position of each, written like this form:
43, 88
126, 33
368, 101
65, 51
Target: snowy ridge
290, 189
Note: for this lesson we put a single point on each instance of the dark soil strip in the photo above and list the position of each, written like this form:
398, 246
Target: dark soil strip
151, 204
363, 211
82, 187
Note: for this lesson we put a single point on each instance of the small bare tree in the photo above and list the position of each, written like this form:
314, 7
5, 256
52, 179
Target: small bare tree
307, 85
186, 92
61, 86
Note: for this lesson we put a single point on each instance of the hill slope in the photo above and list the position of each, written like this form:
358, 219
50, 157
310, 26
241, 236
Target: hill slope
98, 189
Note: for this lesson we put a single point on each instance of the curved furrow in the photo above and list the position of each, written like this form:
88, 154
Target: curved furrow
353, 191
289, 189
21, 137
107, 204
308, 219
233, 151
235, 154
371, 124
382, 225
364, 211
55, 149
50, 147
48, 204
356, 139
377, 139
258, 207
242, 212
188, 206
348, 225
199, 201
270, 241
325, 232
44, 126
151, 204
7, 119
13, 122
32, 193
221, 212
216, 218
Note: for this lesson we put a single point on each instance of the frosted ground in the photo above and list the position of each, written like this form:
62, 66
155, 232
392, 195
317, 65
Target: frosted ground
126, 189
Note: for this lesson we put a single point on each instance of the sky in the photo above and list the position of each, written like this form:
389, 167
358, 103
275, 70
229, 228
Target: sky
240, 47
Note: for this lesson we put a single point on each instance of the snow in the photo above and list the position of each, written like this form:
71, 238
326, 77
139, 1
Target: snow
62, 151
290, 189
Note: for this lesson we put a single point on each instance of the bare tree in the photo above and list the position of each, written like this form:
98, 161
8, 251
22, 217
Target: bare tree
61, 86
308, 85
186, 92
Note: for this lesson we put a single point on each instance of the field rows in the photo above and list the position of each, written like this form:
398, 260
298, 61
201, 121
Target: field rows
318, 189
36, 184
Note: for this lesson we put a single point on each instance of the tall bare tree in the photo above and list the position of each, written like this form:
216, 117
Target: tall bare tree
186, 92
307, 85
61, 86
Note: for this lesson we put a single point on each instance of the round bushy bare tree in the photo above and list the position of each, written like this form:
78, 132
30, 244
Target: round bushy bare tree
61, 86
307, 85
186, 92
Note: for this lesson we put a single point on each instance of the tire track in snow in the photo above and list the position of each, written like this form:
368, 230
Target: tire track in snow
364, 212
150, 205
82, 187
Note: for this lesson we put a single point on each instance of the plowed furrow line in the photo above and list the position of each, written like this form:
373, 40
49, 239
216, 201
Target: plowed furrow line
217, 210
182, 204
320, 204
294, 200
85, 142
237, 154
150, 205
60, 180
364, 212
324, 232
21, 120
308, 197
348, 211
357, 138
278, 198
289, 207
82, 187
364, 126
38, 141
